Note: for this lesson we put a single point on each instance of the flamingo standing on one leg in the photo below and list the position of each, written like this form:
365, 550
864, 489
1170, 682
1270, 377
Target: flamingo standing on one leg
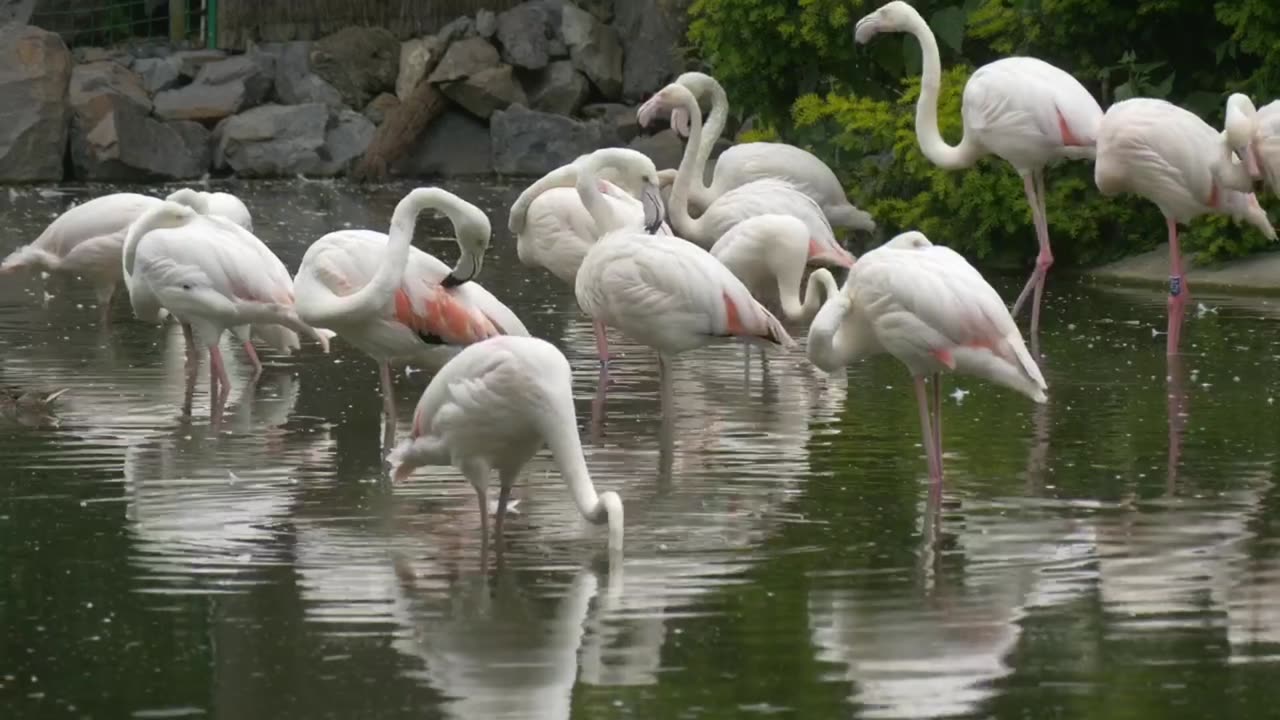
493, 407
929, 308
1022, 109
396, 302
1173, 158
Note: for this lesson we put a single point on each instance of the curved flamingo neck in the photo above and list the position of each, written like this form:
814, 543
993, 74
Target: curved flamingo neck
828, 346
150, 220
678, 207
560, 431
716, 121
932, 144
821, 286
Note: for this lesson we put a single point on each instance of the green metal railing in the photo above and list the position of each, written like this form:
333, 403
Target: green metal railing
111, 22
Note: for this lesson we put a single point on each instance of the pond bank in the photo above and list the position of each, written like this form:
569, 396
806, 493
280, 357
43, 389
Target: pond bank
1257, 274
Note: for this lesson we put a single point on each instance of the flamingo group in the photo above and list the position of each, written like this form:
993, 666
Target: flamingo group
716, 263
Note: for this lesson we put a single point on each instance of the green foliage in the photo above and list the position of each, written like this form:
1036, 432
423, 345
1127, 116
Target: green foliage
794, 65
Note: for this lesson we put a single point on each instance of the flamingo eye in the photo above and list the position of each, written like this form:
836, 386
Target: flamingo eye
186, 286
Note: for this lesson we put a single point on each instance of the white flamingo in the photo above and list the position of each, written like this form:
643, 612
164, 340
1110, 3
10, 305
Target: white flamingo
205, 273
215, 203
745, 162
1021, 109
397, 303
1173, 158
86, 240
768, 253
772, 196
493, 407
928, 307
554, 230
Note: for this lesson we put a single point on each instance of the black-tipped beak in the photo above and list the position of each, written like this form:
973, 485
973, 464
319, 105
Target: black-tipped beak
654, 211
452, 281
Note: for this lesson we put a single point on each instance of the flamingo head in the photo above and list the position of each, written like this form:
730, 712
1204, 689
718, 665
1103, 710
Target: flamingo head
892, 17
670, 98
1240, 129
911, 240
634, 172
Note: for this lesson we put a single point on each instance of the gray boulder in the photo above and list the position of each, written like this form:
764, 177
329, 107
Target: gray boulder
651, 32
36, 67
190, 61
528, 34
347, 135
559, 89
157, 73
84, 55
97, 88
255, 71
617, 120
664, 148
273, 140
457, 29
527, 142
465, 58
454, 144
415, 55
378, 107
202, 103
486, 91
486, 23
359, 62
595, 49
127, 145
295, 84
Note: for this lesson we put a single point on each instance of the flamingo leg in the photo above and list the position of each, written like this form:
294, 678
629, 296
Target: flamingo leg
664, 385
602, 343
217, 370
1179, 293
922, 399
1033, 184
484, 520
936, 383
105, 294
252, 352
504, 495
388, 391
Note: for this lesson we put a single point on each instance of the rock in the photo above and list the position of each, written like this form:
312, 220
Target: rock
295, 84
527, 142
97, 88
664, 148
415, 56
255, 71
202, 103
651, 32
486, 91
465, 58
559, 89
453, 144
126, 144
457, 29
190, 61
595, 49
84, 55
346, 137
378, 107
525, 33
602, 10
486, 23
359, 62
157, 73
273, 140
33, 104
618, 121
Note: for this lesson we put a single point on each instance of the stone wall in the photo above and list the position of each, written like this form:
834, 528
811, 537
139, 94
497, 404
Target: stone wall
531, 88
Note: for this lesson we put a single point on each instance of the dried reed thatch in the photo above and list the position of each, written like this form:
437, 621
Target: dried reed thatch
240, 21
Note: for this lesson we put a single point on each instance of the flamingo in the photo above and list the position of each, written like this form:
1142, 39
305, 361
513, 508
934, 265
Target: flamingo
661, 291
754, 198
928, 307
395, 302
768, 253
1173, 158
205, 273
1254, 135
492, 407
746, 162
554, 230
86, 240
1021, 109
215, 203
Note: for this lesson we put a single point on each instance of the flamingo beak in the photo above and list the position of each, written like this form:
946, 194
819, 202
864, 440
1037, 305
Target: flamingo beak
654, 211
839, 257
1249, 155
866, 29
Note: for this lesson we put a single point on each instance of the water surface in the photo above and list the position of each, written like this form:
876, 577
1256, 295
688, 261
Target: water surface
1114, 553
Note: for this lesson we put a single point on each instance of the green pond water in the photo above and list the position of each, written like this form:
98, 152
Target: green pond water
1114, 553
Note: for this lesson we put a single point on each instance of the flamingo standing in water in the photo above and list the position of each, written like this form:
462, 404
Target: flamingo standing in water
1173, 158
554, 230
204, 273
397, 303
1021, 109
493, 407
86, 240
661, 291
747, 162
928, 307
768, 253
